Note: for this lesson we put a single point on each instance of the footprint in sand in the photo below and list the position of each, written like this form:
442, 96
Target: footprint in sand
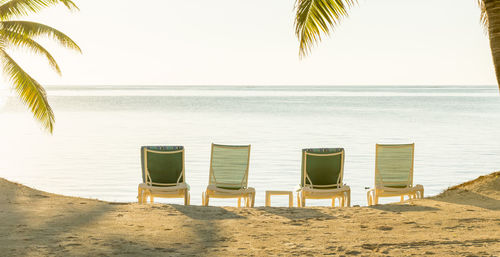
352, 252
384, 228
73, 244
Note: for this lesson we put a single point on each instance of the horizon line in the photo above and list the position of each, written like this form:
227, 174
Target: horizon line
270, 85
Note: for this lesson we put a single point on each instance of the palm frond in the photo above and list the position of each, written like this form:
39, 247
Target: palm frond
16, 39
34, 29
484, 16
29, 90
12, 8
317, 17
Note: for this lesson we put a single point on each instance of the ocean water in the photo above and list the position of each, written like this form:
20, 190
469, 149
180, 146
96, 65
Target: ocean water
94, 151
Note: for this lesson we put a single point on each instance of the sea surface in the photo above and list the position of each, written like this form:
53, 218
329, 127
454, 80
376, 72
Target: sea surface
94, 150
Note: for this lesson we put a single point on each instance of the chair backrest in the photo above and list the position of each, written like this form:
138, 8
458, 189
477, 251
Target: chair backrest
229, 166
162, 165
394, 165
322, 167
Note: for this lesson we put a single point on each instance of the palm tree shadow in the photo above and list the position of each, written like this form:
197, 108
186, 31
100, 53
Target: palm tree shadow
209, 231
59, 226
469, 198
297, 213
205, 212
403, 208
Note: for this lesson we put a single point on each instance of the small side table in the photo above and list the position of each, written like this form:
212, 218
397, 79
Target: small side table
269, 193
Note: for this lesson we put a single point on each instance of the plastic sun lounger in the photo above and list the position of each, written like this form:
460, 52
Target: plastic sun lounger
163, 173
394, 173
228, 176
321, 176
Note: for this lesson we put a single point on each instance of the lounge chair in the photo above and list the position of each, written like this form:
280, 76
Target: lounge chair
229, 174
394, 173
163, 173
321, 176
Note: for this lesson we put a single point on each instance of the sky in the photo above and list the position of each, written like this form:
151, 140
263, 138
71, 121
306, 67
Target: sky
236, 42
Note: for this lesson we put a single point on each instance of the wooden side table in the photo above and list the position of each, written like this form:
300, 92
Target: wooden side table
269, 193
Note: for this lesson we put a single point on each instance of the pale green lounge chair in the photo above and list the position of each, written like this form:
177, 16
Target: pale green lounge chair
163, 173
228, 176
321, 176
394, 173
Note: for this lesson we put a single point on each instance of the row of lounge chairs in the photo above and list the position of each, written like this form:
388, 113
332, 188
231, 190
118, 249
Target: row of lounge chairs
322, 173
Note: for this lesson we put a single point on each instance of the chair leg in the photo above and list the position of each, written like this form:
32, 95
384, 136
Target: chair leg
298, 200
348, 197
239, 202
371, 197
139, 195
151, 198
207, 199
145, 195
203, 198
333, 201
253, 200
402, 198
186, 197
303, 199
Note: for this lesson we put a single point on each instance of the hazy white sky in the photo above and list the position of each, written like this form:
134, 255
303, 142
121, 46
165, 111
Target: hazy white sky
236, 42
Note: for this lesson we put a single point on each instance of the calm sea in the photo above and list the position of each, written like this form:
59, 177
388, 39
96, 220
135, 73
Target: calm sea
94, 151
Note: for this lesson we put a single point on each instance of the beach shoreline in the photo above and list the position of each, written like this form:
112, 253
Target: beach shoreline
462, 221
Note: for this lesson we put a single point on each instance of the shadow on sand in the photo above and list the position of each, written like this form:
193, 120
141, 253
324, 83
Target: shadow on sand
402, 208
205, 212
296, 213
465, 197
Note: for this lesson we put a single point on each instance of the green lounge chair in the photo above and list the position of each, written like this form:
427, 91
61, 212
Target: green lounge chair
163, 173
321, 176
228, 176
394, 173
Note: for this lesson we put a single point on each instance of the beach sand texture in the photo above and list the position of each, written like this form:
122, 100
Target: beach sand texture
462, 221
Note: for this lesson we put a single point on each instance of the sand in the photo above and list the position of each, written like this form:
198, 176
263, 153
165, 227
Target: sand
463, 221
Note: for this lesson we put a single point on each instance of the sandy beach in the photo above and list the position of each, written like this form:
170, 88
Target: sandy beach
462, 221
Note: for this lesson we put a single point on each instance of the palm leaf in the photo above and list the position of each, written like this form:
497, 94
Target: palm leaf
484, 16
317, 17
29, 90
12, 8
34, 29
16, 39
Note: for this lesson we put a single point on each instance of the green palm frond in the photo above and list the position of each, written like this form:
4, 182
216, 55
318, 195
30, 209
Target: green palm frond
23, 34
12, 8
34, 29
484, 17
15, 39
29, 90
317, 17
